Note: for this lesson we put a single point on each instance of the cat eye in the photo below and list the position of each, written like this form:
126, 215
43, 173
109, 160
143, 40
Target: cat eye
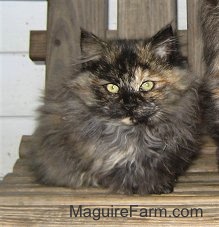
112, 88
147, 86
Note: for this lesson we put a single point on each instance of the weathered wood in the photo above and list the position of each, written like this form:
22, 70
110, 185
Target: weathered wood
38, 43
64, 32
191, 189
195, 44
204, 163
21, 167
182, 36
25, 146
60, 216
208, 142
200, 177
109, 199
22, 175
37, 50
142, 18
12, 178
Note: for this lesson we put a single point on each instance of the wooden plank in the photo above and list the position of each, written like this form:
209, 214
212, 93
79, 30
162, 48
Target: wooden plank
27, 180
194, 188
108, 199
208, 142
21, 167
25, 145
142, 18
38, 43
200, 177
12, 178
60, 216
204, 163
195, 44
182, 36
37, 50
64, 33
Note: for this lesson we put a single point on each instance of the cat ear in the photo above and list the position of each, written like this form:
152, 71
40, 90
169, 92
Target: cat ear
91, 45
164, 43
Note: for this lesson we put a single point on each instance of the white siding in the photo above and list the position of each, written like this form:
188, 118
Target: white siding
21, 81
18, 18
25, 81
112, 19
12, 129
182, 14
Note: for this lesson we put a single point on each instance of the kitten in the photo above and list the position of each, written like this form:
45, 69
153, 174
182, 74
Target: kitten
127, 121
210, 31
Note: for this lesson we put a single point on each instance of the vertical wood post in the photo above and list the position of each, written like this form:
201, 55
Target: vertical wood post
64, 21
142, 18
195, 44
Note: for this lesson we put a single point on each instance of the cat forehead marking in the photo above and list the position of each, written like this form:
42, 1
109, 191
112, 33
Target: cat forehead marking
139, 77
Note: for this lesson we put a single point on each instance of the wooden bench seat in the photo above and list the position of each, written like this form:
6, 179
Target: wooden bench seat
24, 202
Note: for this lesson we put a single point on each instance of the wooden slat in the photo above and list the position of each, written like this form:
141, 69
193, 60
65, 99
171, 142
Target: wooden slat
38, 43
188, 178
182, 36
12, 178
22, 175
37, 50
108, 199
64, 32
25, 145
192, 189
23, 202
204, 163
142, 18
200, 177
21, 167
208, 141
197, 179
59, 216
195, 44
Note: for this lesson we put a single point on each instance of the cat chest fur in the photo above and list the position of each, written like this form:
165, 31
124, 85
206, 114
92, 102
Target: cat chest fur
135, 151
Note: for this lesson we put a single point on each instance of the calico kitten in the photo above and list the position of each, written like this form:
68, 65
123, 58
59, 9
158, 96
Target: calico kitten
210, 30
127, 121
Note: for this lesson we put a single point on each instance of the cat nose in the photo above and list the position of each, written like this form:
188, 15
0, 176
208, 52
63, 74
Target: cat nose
130, 102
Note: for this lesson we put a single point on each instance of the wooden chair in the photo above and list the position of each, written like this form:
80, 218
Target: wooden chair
23, 202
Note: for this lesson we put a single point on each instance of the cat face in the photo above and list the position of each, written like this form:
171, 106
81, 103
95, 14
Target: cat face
131, 80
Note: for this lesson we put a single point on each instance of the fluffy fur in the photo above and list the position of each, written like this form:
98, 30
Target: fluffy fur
210, 28
132, 141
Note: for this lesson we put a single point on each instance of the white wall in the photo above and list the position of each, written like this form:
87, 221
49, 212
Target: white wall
21, 81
